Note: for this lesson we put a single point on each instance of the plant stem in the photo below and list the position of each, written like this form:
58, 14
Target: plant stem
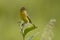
23, 38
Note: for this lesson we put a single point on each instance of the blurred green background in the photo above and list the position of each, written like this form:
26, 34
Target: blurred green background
40, 11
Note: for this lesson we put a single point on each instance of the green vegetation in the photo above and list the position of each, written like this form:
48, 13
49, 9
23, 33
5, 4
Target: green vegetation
40, 11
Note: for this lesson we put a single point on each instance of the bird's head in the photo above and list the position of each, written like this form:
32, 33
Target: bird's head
22, 9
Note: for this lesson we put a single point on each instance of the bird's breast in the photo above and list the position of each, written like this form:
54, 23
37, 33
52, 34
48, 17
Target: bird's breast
24, 17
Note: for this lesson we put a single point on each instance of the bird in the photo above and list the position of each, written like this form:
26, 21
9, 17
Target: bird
25, 17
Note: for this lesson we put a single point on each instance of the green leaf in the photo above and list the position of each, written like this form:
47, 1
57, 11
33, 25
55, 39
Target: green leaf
28, 30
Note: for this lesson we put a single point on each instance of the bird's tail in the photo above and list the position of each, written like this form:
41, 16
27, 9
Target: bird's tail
34, 26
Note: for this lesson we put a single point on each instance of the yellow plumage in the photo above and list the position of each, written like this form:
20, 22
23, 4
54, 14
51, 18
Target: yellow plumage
24, 16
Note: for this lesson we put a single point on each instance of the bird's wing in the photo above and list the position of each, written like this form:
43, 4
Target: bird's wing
29, 19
